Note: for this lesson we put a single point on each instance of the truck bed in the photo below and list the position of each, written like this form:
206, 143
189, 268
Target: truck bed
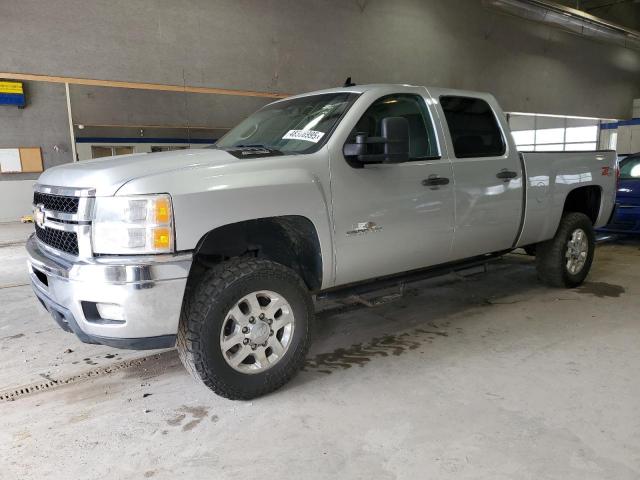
550, 176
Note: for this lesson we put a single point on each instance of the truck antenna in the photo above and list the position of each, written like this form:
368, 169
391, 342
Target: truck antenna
349, 83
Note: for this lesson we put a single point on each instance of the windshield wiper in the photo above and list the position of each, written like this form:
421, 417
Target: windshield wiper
257, 148
246, 150
254, 145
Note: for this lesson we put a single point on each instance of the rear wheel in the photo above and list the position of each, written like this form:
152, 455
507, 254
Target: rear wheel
245, 327
565, 260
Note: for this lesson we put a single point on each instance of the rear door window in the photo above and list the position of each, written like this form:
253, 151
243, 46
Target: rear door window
473, 126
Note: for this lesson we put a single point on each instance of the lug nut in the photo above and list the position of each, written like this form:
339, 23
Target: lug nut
270, 321
252, 320
254, 346
264, 344
245, 341
271, 333
262, 316
245, 329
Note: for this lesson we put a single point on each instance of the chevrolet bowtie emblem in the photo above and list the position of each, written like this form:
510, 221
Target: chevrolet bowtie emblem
38, 215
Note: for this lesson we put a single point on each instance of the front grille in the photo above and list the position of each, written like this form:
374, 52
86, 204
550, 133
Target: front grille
57, 203
59, 239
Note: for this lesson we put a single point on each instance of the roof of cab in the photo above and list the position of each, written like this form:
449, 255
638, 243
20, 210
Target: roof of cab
433, 91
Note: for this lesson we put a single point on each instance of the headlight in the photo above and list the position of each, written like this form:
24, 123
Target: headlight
136, 224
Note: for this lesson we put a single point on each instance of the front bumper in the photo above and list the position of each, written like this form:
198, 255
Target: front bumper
149, 290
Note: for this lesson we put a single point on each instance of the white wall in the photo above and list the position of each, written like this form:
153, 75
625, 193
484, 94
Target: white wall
15, 199
84, 149
628, 139
605, 138
541, 132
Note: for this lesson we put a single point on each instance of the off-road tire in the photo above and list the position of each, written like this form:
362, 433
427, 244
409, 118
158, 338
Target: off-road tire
551, 261
207, 301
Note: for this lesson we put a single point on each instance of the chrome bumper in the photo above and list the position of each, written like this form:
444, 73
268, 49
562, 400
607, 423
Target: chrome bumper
148, 289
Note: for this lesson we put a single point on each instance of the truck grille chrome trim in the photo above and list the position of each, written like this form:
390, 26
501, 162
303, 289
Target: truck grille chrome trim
65, 191
56, 203
64, 219
59, 239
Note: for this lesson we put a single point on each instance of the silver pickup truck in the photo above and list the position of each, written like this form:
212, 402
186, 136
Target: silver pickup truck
221, 250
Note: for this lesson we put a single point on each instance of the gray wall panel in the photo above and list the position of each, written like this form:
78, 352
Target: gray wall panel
43, 123
293, 46
119, 106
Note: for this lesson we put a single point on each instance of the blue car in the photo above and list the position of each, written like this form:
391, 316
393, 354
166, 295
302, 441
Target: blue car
626, 216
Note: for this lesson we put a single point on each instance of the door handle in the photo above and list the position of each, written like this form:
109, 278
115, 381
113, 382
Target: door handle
506, 175
435, 181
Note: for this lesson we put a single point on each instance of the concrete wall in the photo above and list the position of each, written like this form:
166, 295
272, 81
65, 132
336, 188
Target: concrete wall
103, 105
43, 123
293, 45
15, 199
117, 112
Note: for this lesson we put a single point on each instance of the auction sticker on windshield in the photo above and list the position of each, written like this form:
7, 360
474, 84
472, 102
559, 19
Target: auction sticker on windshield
306, 135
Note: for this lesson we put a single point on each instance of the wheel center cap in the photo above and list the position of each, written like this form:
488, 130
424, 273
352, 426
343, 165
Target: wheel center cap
259, 332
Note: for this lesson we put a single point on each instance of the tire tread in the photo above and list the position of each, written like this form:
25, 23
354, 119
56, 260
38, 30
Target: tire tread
198, 301
550, 263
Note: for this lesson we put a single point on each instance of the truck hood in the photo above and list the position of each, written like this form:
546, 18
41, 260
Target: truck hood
108, 175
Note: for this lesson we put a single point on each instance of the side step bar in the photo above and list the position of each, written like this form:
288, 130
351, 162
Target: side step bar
360, 288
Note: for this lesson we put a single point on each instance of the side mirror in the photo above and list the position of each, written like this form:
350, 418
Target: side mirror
391, 147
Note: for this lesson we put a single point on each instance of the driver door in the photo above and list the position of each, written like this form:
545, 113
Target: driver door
391, 218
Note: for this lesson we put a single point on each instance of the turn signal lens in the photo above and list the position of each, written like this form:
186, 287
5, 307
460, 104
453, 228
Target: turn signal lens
161, 238
163, 210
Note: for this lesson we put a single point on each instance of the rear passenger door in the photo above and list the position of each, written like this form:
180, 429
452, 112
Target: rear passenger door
488, 176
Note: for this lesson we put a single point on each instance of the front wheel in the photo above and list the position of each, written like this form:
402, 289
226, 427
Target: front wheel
565, 260
245, 327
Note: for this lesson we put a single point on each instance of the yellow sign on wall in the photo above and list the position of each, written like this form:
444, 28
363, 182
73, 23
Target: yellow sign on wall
11, 87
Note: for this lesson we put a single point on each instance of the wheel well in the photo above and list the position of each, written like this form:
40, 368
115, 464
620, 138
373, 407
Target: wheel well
584, 200
289, 240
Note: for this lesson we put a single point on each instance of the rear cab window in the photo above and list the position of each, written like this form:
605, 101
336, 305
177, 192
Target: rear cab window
474, 129
423, 144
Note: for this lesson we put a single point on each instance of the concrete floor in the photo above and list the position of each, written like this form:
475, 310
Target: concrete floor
490, 376
14, 233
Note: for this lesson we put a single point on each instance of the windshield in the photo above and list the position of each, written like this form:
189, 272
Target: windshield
299, 125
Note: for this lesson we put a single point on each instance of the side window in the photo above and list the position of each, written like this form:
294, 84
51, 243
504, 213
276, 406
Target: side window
475, 132
422, 137
630, 169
